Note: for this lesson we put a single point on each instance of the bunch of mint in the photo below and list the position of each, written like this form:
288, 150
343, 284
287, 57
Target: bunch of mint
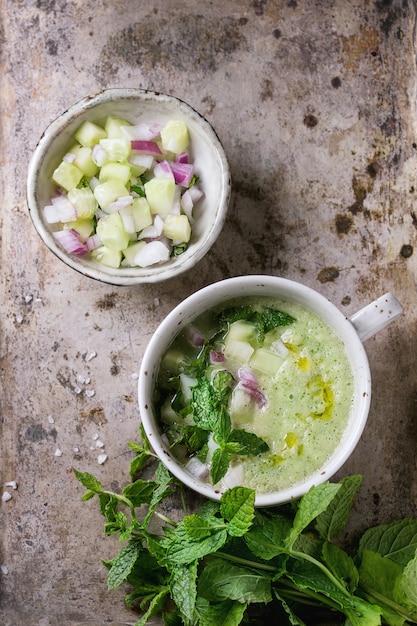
231, 563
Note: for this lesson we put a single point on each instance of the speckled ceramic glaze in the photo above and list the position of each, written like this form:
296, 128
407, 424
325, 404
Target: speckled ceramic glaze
137, 106
351, 332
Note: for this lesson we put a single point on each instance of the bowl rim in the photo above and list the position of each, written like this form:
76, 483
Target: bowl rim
253, 284
126, 276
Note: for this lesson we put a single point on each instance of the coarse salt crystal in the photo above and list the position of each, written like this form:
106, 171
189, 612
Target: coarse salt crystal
4, 570
77, 390
135, 375
6, 496
28, 299
101, 459
156, 301
12, 484
87, 380
90, 393
90, 355
19, 319
95, 436
76, 449
80, 379
51, 419
99, 444
58, 452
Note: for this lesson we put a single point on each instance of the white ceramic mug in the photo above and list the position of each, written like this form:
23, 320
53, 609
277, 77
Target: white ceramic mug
352, 332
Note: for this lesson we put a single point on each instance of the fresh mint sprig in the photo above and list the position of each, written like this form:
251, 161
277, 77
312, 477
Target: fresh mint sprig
232, 564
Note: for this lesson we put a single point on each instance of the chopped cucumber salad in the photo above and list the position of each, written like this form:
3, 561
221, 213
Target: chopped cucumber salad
125, 193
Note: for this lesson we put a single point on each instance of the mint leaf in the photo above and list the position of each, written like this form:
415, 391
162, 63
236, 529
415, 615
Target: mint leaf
314, 502
341, 565
204, 404
334, 518
181, 549
408, 585
378, 573
396, 540
122, 565
89, 481
199, 527
228, 613
219, 464
139, 492
221, 580
155, 606
237, 506
266, 541
249, 442
163, 481
183, 588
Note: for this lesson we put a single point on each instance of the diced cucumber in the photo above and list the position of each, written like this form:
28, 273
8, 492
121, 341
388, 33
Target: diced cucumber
84, 201
175, 137
173, 360
112, 233
112, 126
141, 213
89, 134
266, 362
84, 162
238, 351
177, 228
116, 149
115, 171
84, 227
160, 193
67, 175
106, 256
241, 331
130, 252
108, 192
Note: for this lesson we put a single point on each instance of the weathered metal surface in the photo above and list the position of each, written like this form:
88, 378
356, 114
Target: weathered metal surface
315, 105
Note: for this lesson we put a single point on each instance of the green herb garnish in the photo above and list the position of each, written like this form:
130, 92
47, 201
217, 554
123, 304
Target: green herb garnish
230, 563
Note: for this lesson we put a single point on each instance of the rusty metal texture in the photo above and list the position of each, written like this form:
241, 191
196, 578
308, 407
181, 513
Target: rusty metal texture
315, 104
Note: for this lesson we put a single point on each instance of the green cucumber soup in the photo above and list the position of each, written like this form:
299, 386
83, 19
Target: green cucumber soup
255, 393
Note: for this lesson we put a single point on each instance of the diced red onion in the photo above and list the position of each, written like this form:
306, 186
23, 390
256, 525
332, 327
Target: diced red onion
142, 132
93, 242
152, 253
98, 154
197, 468
61, 210
128, 222
154, 230
249, 383
182, 158
141, 160
194, 336
195, 193
69, 240
183, 173
94, 181
246, 376
163, 169
187, 204
120, 203
146, 147
216, 357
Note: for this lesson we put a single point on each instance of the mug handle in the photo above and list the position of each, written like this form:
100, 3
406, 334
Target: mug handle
376, 315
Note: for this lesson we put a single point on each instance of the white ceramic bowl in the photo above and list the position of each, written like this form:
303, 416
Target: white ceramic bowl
370, 319
136, 106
